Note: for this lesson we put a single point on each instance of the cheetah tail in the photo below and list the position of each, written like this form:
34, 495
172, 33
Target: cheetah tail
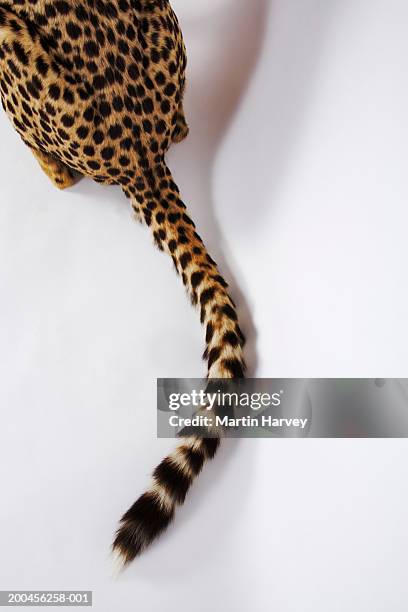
155, 198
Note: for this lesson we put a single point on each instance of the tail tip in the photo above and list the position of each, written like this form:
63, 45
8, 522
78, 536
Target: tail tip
127, 545
142, 524
119, 561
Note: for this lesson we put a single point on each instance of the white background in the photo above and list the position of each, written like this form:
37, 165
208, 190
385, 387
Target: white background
296, 174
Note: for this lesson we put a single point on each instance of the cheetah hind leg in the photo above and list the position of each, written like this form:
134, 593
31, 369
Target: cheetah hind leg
181, 129
59, 173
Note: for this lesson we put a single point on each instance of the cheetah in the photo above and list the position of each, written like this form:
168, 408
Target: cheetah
95, 88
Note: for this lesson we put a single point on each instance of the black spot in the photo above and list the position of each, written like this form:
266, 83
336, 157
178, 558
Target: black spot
207, 295
54, 92
91, 49
230, 312
42, 66
185, 259
115, 131
165, 107
117, 103
210, 446
210, 332
160, 78
234, 366
89, 114
68, 96
20, 53
105, 109
170, 90
73, 30
124, 161
220, 280
62, 7
98, 137
231, 338
67, 120
63, 134
147, 105
99, 81
172, 246
161, 127
133, 71
107, 153
213, 356
113, 171
196, 279
94, 165
82, 132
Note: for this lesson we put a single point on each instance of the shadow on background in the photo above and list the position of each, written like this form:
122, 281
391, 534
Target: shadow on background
214, 93
217, 92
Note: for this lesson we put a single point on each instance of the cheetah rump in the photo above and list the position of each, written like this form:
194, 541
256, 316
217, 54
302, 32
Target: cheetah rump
96, 88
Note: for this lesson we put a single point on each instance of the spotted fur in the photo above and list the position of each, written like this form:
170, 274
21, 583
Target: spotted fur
96, 87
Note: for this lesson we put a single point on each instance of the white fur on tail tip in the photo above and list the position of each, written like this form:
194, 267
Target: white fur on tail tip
118, 563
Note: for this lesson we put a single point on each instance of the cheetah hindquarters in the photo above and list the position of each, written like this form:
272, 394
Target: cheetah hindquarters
59, 173
181, 130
